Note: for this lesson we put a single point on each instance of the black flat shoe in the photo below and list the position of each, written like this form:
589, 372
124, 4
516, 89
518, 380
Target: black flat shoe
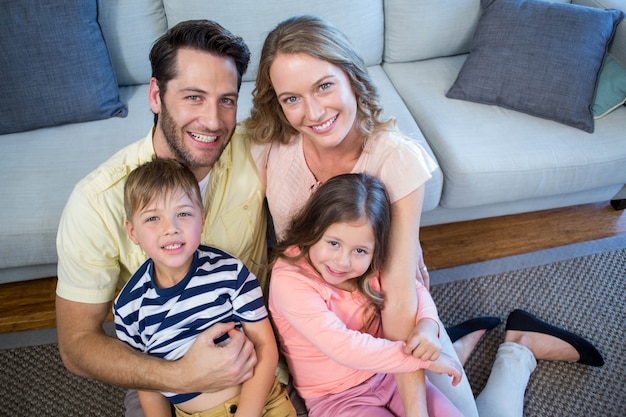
477, 323
521, 320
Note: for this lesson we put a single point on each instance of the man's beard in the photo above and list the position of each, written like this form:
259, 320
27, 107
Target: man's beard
174, 137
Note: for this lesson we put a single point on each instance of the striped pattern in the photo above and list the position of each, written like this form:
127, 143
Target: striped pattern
165, 321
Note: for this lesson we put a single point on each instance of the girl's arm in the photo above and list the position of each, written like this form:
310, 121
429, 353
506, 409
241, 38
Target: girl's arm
154, 404
301, 302
255, 390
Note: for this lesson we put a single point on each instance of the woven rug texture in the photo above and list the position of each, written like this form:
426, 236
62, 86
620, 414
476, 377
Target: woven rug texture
585, 295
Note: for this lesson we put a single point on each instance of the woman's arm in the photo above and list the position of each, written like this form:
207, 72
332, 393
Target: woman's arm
255, 390
398, 283
398, 274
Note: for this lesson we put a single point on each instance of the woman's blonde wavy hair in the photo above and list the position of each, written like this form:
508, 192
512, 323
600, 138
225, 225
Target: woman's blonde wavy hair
318, 38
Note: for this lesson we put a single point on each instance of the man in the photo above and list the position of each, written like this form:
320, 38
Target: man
197, 69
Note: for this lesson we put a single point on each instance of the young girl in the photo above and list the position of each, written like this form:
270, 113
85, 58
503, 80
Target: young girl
325, 303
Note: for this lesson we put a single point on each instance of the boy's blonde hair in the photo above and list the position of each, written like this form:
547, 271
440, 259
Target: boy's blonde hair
158, 178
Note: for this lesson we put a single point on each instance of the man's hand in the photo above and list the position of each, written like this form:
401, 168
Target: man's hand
423, 342
207, 367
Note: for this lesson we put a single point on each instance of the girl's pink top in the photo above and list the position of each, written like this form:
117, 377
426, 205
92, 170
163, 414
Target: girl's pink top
320, 331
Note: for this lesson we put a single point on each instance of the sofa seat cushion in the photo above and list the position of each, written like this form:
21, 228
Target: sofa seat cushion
34, 193
55, 66
490, 154
538, 57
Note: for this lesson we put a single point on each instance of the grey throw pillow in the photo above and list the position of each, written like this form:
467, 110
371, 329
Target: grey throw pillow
55, 65
537, 57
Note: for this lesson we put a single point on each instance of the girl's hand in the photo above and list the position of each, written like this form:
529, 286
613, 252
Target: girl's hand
423, 342
446, 364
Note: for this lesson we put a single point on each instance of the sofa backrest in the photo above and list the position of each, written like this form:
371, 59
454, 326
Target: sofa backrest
130, 27
417, 30
618, 45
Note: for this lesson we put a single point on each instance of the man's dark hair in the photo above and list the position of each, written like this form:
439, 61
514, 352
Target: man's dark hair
203, 35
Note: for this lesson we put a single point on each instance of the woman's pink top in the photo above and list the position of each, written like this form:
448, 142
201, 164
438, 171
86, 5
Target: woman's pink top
320, 331
399, 162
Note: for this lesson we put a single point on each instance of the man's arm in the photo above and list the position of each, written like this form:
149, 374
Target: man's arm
86, 350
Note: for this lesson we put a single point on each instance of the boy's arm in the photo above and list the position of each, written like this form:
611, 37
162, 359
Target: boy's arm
255, 390
154, 404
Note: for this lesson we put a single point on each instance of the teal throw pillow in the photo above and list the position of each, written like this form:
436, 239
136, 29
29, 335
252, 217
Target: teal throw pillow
611, 90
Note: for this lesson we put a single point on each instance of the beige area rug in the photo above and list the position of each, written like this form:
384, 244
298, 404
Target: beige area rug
586, 295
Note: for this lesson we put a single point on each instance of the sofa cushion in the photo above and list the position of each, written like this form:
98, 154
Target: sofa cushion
38, 191
611, 90
416, 30
129, 29
55, 65
537, 57
493, 155
362, 24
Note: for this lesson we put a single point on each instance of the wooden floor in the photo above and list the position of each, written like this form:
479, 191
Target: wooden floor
30, 305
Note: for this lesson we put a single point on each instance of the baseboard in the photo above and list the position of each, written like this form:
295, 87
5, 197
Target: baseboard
527, 260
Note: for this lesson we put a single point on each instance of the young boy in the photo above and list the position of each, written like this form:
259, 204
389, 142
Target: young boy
184, 288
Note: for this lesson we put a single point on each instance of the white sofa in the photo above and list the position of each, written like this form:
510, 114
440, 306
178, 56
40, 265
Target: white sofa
493, 161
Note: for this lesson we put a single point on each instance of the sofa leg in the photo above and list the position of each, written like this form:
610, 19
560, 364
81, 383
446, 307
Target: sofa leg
619, 204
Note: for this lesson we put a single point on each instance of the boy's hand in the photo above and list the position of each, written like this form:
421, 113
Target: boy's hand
423, 342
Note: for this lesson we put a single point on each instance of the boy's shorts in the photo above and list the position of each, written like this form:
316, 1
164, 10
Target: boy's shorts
277, 404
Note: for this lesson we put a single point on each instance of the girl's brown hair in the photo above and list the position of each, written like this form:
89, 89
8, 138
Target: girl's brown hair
341, 199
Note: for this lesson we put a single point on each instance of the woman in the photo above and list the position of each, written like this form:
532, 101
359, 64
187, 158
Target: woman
316, 115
